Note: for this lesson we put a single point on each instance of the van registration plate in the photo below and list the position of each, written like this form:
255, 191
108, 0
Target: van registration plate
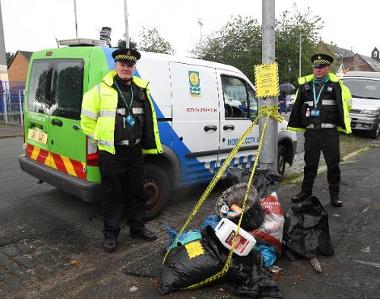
38, 135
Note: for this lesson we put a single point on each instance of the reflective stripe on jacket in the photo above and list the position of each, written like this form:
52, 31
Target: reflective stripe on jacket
99, 110
346, 104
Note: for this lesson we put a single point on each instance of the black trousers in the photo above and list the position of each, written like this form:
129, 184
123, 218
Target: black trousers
327, 141
122, 180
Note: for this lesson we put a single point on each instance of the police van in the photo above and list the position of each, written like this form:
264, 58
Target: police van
202, 109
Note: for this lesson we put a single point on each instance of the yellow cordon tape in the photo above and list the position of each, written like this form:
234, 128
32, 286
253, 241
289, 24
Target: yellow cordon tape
267, 111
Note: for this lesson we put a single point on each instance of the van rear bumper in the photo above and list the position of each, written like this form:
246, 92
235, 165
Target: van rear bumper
82, 189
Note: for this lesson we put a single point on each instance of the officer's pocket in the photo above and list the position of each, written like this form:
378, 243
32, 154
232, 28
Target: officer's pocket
305, 115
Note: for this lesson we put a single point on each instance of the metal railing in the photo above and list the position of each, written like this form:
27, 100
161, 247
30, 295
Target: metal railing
11, 102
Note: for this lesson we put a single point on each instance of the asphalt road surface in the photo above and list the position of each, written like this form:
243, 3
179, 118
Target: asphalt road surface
51, 243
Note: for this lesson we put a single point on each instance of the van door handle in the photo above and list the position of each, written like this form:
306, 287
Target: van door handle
212, 127
57, 122
76, 127
229, 127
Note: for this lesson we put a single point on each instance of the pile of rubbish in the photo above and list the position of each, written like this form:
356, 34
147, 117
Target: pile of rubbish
264, 236
200, 254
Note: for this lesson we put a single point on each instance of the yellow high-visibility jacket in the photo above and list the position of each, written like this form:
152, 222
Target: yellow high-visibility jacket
99, 111
344, 105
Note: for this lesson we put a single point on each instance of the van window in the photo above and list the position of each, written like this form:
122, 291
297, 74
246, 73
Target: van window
67, 88
239, 98
39, 87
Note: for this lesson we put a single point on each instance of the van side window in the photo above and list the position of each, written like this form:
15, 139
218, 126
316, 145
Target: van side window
239, 98
39, 87
253, 106
68, 88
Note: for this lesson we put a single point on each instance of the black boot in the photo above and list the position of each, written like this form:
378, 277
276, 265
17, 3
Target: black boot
301, 196
335, 201
109, 245
143, 233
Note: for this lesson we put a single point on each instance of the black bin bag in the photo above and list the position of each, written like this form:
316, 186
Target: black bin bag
186, 266
306, 229
191, 263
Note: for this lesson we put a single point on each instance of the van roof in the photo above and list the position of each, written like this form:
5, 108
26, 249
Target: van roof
151, 56
362, 74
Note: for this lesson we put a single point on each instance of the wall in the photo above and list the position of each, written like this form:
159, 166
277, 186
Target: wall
18, 69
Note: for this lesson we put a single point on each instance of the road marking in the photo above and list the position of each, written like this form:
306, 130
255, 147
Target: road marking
377, 265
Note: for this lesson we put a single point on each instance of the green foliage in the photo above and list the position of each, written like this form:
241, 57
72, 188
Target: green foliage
152, 41
289, 28
238, 43
121, 44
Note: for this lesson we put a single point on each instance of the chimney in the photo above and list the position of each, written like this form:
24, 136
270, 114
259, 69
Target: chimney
105, 35
375, 54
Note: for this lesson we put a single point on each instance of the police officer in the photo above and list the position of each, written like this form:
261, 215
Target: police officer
321, 109
119, 115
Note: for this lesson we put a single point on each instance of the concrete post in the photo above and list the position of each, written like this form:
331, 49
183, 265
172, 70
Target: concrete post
268, 157
3, 57
126, 24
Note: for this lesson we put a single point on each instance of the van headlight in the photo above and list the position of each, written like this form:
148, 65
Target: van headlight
371, 112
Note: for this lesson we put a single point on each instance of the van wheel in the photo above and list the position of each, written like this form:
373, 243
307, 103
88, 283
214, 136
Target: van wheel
281, 161
156, 190
374, 134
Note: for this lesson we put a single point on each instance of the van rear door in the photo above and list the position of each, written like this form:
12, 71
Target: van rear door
37, 111
238, 107
67, 142
196, 118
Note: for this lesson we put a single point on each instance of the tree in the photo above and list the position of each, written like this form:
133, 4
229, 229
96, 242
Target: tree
152, 41
238, 43
289, 28
9, 57
121, 44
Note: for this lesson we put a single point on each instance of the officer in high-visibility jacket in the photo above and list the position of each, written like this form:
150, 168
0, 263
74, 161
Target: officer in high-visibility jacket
321, 110
119, 115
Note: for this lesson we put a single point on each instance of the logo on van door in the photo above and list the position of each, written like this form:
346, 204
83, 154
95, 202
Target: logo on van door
195, 88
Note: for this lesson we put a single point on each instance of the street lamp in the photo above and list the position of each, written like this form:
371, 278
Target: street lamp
200, 28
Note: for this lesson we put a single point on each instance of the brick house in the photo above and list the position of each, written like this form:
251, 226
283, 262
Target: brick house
18, 67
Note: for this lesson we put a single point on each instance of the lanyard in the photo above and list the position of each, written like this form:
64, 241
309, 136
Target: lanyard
125, 101
316, 99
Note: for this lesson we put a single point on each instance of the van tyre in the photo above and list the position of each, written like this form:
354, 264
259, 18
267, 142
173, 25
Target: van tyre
156, 190
374, 134
281, 160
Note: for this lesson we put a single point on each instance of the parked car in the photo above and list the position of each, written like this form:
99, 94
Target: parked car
365, 112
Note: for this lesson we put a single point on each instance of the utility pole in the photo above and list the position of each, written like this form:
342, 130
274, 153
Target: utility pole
267, 158
3, 56
76, 21
126, 24
200, 30
300, 58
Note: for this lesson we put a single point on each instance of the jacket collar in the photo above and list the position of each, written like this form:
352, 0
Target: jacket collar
309, 78
108, 79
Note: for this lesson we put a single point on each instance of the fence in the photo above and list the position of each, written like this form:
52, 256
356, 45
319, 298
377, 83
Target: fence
11, 102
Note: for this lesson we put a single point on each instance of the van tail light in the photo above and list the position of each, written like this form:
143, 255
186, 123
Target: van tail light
92, 156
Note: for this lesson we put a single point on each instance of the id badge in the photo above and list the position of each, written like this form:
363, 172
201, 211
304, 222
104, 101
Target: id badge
130, 120
314, 113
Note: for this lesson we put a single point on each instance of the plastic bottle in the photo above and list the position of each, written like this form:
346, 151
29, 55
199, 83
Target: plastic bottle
226, 230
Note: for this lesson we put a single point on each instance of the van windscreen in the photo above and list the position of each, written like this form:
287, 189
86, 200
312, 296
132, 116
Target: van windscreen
56, 87
39, 87
68, 88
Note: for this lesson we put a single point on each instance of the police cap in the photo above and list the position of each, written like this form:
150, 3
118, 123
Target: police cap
129, 55
321, 60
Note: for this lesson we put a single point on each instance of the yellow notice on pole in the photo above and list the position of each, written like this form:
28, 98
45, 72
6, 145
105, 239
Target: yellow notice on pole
266, 79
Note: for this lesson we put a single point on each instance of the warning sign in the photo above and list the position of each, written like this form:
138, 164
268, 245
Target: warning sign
266, 79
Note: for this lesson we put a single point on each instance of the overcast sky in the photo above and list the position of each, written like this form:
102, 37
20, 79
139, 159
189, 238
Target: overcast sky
34, 24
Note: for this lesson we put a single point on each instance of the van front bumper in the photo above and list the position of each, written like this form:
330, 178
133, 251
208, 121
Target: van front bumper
82, 189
